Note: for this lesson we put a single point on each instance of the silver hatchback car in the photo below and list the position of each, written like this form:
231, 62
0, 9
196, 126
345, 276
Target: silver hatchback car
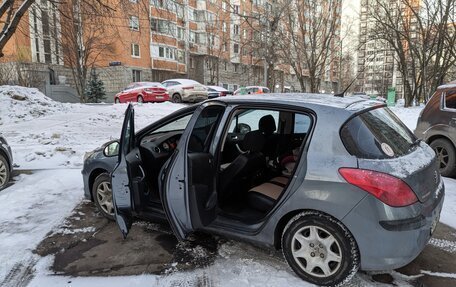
338, 183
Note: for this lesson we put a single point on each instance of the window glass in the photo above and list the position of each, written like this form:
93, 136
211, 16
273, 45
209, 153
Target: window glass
450, 99
204, 129
252, 118
177, 125
377, 134
302, 124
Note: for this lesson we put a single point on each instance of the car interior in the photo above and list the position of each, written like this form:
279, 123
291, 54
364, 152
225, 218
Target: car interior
258, 158
254, 160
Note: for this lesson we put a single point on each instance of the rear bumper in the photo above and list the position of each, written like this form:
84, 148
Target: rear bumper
390, 238
156, 98
194, 96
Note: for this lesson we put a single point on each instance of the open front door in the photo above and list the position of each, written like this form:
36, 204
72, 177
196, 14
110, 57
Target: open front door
188, 186
127, 175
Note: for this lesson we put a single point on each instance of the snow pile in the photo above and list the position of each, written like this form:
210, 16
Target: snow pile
18, 104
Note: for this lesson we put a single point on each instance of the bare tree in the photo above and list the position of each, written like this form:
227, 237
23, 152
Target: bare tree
419, 33
86, 33
310, 39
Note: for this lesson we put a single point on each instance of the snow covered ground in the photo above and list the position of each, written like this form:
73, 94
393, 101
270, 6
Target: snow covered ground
51, 138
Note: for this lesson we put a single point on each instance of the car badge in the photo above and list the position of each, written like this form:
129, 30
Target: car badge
387, 149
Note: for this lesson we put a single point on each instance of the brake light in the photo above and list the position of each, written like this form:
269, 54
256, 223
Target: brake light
387, 188
222, 94
188, 88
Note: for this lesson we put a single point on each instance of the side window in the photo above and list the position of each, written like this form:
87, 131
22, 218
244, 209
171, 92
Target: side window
204, 129
251, 118
177, 125
450, 100
301, 124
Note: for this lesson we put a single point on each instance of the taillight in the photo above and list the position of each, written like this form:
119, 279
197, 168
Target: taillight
387, 188
154, 90
222, 94
188, 88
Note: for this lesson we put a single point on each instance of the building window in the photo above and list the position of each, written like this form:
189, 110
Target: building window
225, 46
224, 27
236, 9
245, 34
181, 56
168, 53
236, 67
224, 5
136, 75
236, 29
135, 50
163, 27
134, 23
236, 48
134, 1
192, 63
235, 87
180, 33
192, 37
225, 66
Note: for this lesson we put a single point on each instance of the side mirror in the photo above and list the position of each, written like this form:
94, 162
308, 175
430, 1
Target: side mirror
243, 128
111, 149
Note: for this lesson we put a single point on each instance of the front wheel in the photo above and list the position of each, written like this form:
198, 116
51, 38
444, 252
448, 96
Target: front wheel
140, 99
177, 98
320, 249
446, 156
102, 195
4, 172
116, 101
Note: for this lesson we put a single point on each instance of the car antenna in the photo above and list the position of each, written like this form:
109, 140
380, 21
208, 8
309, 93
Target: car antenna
341, 95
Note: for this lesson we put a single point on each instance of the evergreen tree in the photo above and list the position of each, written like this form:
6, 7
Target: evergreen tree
95, 91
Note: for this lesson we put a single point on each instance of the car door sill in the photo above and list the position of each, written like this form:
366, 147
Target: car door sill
229, 225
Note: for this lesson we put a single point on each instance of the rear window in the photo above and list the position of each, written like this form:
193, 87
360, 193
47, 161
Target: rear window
377, 134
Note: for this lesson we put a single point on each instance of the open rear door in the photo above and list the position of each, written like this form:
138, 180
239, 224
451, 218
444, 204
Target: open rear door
122, 195
188, 185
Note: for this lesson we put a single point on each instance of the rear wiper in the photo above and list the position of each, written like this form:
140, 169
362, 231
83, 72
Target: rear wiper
417, 142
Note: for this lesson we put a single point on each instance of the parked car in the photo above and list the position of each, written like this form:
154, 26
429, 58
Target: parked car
142, 92
251, 90
185, 90
260, 169
6, 162
216, 91
437, 127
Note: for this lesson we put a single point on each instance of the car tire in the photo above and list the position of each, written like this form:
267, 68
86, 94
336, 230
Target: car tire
316, 236
446, 155
116, 101
102, 195
140, 99
4, 172
177, 98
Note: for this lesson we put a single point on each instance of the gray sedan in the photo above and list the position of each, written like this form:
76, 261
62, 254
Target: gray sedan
338, 183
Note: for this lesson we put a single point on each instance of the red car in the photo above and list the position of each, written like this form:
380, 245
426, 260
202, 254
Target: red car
142, 92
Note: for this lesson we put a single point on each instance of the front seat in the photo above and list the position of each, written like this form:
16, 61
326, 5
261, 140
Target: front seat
268, 126
239, 174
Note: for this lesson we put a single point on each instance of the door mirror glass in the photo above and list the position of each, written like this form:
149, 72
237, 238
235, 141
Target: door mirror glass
242, 128
111, 149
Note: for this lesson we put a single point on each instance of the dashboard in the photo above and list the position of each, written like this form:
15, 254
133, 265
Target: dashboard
161, 144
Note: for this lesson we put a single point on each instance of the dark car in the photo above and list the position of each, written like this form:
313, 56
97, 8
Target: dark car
6, 162
437, 127
216, 91
332, 181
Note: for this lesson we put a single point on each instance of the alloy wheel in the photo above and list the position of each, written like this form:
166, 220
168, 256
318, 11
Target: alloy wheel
3, 173
104, 197
442, 155
316, 251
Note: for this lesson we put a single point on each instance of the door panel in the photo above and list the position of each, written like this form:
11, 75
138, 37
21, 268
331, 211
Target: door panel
120, 178
188, 190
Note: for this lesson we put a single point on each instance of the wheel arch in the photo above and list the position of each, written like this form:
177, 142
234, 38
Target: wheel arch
93, 175
8, 160
440, 136
285, 219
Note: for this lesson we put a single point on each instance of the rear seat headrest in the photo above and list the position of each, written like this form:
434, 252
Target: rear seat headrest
253, 141
267, 124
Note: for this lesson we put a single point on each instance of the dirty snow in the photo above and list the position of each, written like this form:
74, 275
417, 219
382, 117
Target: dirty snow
51, 138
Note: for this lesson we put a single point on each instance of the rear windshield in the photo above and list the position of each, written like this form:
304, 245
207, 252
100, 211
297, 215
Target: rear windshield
377, 134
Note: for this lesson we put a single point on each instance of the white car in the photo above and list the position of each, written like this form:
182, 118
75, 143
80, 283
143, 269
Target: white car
185, 90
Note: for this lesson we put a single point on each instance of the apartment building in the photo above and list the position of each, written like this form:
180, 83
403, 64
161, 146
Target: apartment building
153, 40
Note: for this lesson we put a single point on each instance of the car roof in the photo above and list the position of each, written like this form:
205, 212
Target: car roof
448, 85
183, 81
351, 103
217, 88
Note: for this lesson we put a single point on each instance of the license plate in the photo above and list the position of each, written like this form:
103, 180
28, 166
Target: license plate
159, 97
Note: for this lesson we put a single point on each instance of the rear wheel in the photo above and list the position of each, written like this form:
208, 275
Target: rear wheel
140, 99
117, 101
4, 172
320, 249
102, 195
446, 156
177, 98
